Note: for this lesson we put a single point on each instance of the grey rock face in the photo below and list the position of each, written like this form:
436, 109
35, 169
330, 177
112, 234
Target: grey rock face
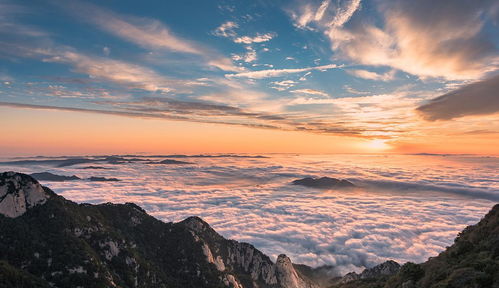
19, 192
387, 268
288, 277
236, 259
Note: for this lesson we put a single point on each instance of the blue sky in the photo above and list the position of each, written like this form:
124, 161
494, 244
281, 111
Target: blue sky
344, 67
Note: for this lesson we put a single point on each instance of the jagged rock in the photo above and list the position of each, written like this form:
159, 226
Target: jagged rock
241, 259
386, 268
349, 277
287, 275
324, 183
19, 192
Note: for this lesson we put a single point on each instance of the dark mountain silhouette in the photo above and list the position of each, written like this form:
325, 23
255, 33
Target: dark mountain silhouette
324, 183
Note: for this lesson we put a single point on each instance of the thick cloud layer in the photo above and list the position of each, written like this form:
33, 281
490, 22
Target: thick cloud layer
406, 208
474, 99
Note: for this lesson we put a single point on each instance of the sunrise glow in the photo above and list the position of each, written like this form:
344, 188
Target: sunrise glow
249, 144
293, 77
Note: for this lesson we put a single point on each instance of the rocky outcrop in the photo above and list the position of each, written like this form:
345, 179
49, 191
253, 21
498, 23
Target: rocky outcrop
19, 192
239, 260
287, 275
387, 268
324, 183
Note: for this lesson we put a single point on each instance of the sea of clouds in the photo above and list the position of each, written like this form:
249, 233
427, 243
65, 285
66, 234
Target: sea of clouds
406, 207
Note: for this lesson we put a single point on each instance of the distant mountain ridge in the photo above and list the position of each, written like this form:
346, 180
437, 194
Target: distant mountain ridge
47, 176
323, 183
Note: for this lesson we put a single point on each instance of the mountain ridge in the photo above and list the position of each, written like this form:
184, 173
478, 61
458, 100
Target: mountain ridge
64, 244
48, 241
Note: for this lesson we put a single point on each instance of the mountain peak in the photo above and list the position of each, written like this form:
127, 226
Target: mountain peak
288, 276
19, 192
196, 224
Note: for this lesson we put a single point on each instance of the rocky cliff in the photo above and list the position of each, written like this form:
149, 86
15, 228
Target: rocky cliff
48, 241
18, 192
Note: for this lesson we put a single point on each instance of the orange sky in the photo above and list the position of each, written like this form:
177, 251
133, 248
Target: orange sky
48, 132
291, 77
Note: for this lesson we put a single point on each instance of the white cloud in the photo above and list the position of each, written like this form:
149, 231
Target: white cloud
365, 74
304, 77
249, 56
351, 90
279, 72
311, 92
100, 68
283, 85
344, 13
259, 38
251, 200
226, 29
325, 14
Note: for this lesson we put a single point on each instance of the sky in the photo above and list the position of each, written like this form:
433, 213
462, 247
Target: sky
332, 76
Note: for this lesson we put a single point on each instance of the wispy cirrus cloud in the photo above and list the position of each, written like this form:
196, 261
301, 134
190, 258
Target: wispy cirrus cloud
100, 68
148, 33
365, 74
279, 72
135, 76
283, 85
311, 92
452, 46
325, 13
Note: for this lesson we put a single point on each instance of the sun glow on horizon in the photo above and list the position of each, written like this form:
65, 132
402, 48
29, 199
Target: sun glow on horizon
378, 145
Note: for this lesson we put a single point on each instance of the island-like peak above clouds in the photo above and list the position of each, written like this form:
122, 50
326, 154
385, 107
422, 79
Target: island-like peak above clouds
324, 182
19, 192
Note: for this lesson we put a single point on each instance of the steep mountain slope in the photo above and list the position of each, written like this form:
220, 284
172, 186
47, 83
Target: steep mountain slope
47, 240
471, 262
